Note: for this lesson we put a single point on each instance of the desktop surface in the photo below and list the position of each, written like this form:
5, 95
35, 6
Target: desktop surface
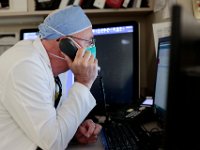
94, 146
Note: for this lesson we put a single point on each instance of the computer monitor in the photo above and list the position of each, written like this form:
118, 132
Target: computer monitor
28, 34
161, 78
182, 121
118, 57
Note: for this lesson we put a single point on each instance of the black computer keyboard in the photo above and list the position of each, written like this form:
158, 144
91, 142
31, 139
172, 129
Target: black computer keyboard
118, 136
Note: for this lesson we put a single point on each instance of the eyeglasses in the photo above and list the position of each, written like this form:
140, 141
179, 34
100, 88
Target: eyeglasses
91, 42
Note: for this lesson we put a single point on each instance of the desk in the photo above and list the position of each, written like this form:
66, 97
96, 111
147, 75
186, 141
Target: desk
99, 146
96, 146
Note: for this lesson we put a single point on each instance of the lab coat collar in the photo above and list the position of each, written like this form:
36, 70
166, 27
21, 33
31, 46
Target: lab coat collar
38, 45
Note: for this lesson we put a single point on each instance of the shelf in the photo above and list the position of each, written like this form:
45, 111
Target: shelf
119, 12
89, 12
24, 14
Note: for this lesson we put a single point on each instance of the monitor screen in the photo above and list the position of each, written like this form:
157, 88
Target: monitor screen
182, 123
161, 82
118, 58
28, 34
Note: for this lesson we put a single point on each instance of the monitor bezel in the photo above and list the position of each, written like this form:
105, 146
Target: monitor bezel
28, 30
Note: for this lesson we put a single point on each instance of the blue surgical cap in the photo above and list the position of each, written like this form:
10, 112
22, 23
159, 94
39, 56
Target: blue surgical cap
61, 22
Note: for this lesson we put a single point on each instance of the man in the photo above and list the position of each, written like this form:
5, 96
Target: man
28, 117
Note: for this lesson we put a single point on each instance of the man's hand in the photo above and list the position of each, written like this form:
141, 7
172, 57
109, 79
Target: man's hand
84, 67
88, 132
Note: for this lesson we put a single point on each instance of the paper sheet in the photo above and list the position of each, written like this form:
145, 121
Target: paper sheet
159, 4
161, 30
167, 10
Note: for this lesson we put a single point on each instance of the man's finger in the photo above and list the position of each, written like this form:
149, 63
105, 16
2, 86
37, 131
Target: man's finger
90, 129
97, 130
80, 53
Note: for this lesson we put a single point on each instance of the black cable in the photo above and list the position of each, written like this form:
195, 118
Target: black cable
100, 76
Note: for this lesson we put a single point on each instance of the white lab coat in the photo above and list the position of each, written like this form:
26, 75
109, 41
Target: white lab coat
27, 115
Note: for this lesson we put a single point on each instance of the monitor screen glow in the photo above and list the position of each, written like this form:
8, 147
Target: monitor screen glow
161, 84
